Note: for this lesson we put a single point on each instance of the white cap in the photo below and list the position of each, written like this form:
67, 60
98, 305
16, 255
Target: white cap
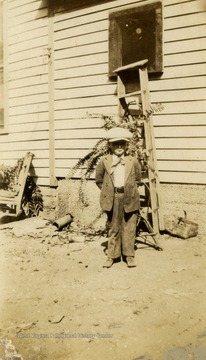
118, 133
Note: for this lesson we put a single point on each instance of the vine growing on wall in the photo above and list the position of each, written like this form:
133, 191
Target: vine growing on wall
86, 165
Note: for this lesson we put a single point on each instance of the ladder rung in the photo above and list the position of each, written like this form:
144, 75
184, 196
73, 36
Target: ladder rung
147, 234
130, 94
147, 181
154, 210
131, 66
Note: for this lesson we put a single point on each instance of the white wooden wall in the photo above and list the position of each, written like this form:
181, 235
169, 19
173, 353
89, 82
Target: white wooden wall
27, 86
82, 87
180, 129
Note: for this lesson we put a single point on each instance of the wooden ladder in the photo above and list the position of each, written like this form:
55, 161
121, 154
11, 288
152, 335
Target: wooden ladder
138, 71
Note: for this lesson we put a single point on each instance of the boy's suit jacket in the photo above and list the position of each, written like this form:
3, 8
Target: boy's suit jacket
105, 181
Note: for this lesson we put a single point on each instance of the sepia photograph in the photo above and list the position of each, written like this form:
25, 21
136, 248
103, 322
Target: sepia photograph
102, 179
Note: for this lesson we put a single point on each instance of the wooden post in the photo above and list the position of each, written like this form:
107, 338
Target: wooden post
52, 179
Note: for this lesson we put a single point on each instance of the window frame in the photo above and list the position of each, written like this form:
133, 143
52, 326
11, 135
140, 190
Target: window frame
115, 36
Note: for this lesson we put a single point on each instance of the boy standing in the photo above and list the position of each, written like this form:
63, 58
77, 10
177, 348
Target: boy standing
118, 176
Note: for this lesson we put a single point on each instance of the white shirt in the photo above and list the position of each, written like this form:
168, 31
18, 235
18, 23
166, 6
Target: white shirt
118, 172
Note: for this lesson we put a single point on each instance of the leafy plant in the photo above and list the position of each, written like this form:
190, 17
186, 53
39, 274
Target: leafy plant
85, 167
136, 148
32, 202
9, 176
87, 164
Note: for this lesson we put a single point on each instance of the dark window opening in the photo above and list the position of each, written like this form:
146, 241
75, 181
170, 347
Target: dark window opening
136, 34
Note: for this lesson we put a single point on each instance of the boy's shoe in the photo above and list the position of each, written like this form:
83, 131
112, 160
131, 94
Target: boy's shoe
108, 263
130, 261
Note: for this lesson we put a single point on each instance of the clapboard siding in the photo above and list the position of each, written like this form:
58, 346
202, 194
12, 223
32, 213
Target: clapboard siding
25, 74
180, 95
26, 28
21, 38
31, 127
179, 34
180, 119
79, 134
83, 50
189, 155
180, 131
184, 8
28, 109
83, 112
178, 83
65, 153
32, 118
85, 60
17, 151
86, 102
195, 69
30, 99
73, 83
28, 55
39, 155
185, 107
63, 30
30, 81
81, 59
82, 40
75, 144
85, 54
182, 177
80, 123
184, 46
91, 91
185, 165
180, 143
29, 136
83, 92
184, 21
180, 59
32, 90
82, 71
17, 16
27, 86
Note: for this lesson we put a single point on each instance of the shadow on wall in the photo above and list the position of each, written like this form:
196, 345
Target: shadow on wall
69, 5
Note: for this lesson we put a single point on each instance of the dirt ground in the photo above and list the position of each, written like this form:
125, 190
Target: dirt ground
58, 302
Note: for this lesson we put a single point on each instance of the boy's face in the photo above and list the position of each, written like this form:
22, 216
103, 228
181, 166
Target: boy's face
118, 147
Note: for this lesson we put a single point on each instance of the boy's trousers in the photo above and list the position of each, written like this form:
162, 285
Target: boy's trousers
121, 229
